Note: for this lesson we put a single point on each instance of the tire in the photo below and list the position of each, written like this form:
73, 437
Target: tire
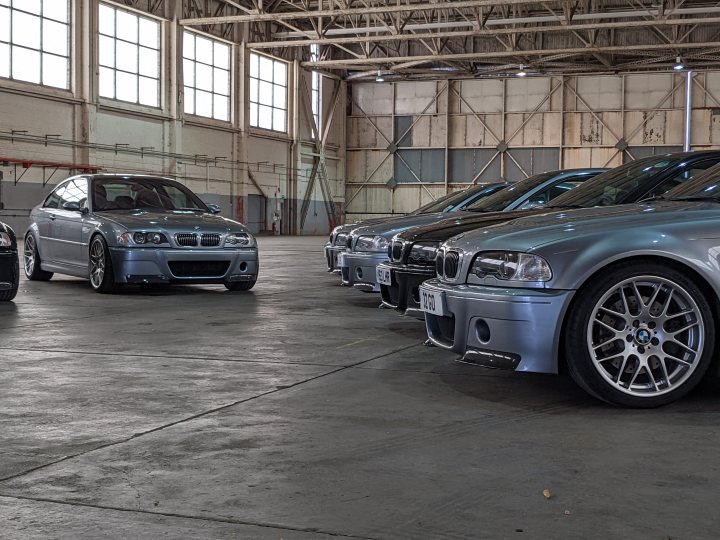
32, 263
640, 335
6, 296
240, 285
100, 268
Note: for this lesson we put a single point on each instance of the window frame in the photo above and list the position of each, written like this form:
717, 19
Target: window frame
161, 59
286, 86
231, 79
70, 24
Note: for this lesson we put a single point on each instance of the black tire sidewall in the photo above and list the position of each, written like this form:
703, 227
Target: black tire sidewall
579, 362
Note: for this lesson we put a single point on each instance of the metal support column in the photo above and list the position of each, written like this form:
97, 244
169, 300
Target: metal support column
688, 109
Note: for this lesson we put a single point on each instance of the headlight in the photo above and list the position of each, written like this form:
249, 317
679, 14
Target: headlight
5, 240
239, 240
511, 266
423, 253
142, 238
372, 243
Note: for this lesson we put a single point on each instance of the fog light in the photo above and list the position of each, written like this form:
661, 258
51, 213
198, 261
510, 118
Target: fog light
483, 330
243, 266
359, 273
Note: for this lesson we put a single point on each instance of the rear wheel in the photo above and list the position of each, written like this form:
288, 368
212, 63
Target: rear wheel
102, 277
240, 285
31, 261
6, 296
640, 336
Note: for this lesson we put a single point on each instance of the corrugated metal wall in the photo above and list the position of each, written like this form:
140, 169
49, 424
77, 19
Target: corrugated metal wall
408, 142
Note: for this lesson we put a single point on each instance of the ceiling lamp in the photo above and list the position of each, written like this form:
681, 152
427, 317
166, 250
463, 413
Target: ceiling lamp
679, 65
521, 71
379, 77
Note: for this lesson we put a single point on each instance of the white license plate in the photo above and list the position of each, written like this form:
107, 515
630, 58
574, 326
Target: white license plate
431, 302
341, 260
383, 276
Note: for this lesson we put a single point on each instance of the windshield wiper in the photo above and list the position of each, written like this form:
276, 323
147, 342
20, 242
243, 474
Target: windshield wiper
476, 210
565, 206
701, 198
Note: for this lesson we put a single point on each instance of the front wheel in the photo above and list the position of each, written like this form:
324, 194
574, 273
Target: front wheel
7, 295
102, 277
240, 285
32, 262
642, 335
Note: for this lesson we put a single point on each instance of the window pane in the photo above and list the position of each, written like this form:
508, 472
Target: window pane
266, 96
189, 100
254, 69
25, 65
203, 103
127, 26
126, 87
55, 37
107, 51
55, 71
221, 108
149, 62
222, 56
107, 20
25, 30
189, 72
107, 82
254, 83
280, 73
33, 6
278, 120
4, 24
253, 114
149, 31
188, 45
266, 69
279, 96
148, 91
265, 117
221, 82
127, 56
56, 9
4, 60
203, 50
203, 77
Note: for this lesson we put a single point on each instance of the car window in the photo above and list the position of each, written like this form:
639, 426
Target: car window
143, 193
72, 191
679, 179
502, 199
547, 195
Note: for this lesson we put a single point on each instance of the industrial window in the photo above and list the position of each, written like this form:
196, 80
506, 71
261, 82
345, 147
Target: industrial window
35, 41
129, 56
206, 71
268, 93
316, 93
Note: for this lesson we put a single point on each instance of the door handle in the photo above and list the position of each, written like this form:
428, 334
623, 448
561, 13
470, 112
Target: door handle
52, 217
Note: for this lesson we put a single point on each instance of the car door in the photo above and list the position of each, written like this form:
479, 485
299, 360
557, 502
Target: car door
66, 227
45, 220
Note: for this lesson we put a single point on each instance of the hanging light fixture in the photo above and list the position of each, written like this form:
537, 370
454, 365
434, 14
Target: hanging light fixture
379, 77
521, 71
679, 65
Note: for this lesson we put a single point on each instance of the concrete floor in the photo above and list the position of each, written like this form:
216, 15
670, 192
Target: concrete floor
300, 410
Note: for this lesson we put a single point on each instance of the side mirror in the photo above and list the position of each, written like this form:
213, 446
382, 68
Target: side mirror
72, 207
214, 208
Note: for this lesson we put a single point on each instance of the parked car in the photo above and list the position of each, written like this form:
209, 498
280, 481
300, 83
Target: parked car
413, 251
9, 264
628, 295
452, 202
114, 229
367, 246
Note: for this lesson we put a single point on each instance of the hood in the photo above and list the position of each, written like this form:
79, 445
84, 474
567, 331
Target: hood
531, 232
347, 227
173, 221
390, 228
439, 231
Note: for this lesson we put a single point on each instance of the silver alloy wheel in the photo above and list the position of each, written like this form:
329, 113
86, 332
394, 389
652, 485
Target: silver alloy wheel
29, 254
97, 263
646, 336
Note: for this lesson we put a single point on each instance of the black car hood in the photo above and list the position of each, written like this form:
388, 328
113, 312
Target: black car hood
447, 228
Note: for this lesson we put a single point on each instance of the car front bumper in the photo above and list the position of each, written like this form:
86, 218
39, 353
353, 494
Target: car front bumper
8, 269
163, 265
403, 294
358, 270
332, 253
507, 328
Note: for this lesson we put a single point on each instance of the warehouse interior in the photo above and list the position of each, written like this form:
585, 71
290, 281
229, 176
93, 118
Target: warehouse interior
300, 409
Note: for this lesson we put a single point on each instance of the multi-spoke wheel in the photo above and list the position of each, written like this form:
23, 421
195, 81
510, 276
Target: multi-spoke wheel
100, 269
640, 336
31, 261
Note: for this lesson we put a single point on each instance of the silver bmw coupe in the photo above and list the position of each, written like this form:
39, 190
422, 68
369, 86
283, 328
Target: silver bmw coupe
626, 295
116, 229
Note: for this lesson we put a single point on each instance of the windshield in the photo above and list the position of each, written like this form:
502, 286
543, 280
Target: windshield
502, 199
704, 186
611, 187
451, 201
143, 193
